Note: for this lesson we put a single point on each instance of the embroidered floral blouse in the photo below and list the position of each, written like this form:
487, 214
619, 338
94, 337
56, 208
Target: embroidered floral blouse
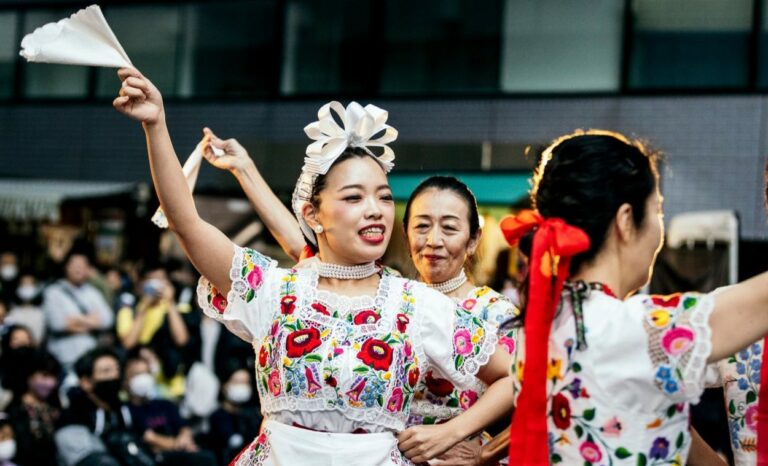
340, 364
624, 398
739, 375
436, 399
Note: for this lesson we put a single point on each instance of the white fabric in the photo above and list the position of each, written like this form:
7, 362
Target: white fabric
431, 333
284, 445
202, 389
84, 38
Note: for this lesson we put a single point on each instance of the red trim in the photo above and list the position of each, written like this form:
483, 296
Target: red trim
762, 411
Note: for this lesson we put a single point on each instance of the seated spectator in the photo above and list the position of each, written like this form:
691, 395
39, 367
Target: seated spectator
7, 441
237, 421
35, 408
158, 421
26, 306
157, 323
13, 340
96, 404
3, 314
75, 312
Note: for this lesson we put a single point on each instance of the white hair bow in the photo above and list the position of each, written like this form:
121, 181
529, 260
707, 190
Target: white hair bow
362, 127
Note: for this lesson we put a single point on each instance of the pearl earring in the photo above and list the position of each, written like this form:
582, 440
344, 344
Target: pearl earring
318, 229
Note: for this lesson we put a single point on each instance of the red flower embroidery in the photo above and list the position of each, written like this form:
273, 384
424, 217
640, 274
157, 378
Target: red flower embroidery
254, 278
263, 354
302, 342
667, 301
357, 389
395, 401
402, 322
331, 381
312, 385
376, 353
438, 387
288, 304
219, 302
369, 316
321, 309
561, 411
413, 376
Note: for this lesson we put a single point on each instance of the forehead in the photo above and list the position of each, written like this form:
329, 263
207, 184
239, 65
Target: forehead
362, 171
439, 203
104, 364
137, 365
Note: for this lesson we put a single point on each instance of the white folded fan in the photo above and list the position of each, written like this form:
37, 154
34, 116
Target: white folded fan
84, 38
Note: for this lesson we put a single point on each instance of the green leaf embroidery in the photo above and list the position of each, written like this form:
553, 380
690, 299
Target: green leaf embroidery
380, 400
641, 459
361, 369
244, 271
314, 357
288, 387
428, 420
689, 302
477, 349
732, 408
579, 431
249, 295
680, 440
671, 411
459, 362
751, 397
622, 453
589, 414
556, 458
576, 367
453, 403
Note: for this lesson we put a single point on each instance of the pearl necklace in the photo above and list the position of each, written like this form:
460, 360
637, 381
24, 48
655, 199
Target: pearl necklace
450, 285
346, 272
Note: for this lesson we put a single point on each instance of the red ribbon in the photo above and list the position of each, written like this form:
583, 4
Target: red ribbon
762, 411
554, 244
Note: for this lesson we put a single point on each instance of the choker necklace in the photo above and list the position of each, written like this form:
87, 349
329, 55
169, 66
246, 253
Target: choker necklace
450, 285
346, 272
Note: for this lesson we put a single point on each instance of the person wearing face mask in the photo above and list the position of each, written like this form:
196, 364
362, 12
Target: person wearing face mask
158, 422
7, 441
25, 308
35, 411
237, 420
9, 274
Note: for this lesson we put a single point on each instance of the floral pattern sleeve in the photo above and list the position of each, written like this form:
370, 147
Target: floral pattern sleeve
455, 342
679, 342
240, 310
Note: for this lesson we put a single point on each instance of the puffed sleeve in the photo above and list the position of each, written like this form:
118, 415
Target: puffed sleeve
246, 310
455, 342
679, 342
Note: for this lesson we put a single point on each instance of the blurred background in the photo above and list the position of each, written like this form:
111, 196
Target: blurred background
475, 89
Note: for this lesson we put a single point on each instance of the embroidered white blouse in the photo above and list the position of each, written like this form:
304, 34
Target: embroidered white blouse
624, 399
340, 364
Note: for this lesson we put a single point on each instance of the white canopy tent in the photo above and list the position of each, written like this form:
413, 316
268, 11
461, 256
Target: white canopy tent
41, 199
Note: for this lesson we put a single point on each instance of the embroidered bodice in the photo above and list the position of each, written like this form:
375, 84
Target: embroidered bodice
340, 364
624, 398
436, 399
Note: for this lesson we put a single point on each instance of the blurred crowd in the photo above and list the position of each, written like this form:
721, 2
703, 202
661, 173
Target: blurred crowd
117, 366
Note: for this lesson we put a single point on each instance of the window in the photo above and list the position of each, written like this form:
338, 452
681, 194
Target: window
551, 45
690, 44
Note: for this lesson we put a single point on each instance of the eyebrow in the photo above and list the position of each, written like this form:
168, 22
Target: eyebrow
359, 186
444, 217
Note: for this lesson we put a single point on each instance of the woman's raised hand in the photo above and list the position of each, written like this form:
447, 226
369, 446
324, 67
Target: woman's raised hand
139, 98
235, 156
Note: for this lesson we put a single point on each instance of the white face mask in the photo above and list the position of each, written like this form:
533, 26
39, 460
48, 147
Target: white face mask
26, 292
8, 272
7, 449
239, 393
142, 385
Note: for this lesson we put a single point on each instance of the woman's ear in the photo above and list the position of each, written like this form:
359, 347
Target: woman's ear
309, 212
474, 242
625, 223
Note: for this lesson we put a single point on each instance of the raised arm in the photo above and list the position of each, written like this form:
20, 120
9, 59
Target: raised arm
209, 249
740, 316
278, 219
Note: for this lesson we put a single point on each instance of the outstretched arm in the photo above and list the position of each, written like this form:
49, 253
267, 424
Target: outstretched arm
422, 443
278, 219
740, 317
209, 249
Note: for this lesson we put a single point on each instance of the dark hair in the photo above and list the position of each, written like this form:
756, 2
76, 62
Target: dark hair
585, 178
321, 180
84, 366
452, 184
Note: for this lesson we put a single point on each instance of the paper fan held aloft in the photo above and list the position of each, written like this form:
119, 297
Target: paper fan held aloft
84, 38
363, 127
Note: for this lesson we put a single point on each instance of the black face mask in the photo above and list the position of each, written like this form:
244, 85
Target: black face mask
108, 391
